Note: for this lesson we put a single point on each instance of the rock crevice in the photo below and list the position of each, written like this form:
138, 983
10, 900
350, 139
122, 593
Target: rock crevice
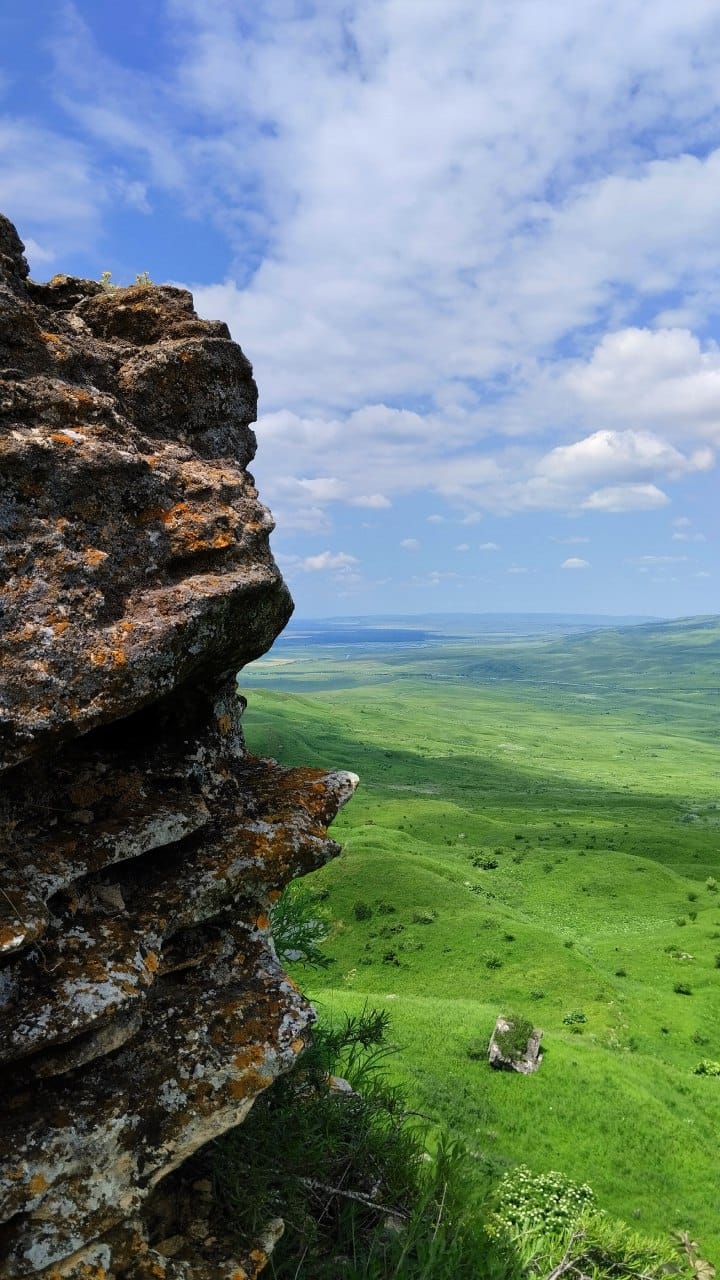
142, 1006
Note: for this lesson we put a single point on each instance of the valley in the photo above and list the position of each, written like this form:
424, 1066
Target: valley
537, 829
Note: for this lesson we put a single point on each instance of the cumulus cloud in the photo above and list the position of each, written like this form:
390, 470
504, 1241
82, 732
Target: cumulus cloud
663, 378
620, 456
626, 497
337, 560
489, 546
574, 562
405, 305
410, 544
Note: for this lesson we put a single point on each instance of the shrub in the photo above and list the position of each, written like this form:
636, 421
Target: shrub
555, 1229
298, 927
362, 911
486, 862
493, 962
529, 1203
621, 973
711, 884
707, 1068
575, 1018
537, 993
424, 917
476, 1050
682, 989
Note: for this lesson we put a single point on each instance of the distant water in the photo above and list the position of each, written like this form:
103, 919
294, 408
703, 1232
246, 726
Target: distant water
439, 628
324, 635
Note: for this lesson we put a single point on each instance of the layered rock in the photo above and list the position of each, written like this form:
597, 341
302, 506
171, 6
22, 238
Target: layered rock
142, 1007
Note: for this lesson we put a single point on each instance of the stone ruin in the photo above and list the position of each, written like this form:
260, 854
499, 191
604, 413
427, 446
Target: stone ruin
142, 1005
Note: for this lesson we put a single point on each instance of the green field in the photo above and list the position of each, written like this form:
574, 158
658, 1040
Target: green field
536, 826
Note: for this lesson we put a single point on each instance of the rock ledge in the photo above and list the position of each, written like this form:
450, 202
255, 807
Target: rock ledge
142, 1006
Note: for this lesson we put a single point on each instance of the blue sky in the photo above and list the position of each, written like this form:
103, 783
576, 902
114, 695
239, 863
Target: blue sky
472, 250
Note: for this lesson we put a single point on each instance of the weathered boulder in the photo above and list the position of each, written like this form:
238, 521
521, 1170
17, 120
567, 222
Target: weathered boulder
515, 1045
142, 1006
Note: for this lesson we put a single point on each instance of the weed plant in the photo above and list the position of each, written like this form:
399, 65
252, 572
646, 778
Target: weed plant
349, 1175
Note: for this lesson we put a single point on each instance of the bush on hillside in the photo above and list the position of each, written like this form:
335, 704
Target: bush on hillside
707, 1068
554, 1228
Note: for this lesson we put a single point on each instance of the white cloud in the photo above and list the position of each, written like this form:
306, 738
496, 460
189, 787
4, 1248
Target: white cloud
435, 578
51, 188
518, 569
323, 488
662, 378
375, 501
626, 497
489, 546
688, 537
681, 522
573, 541
574, 562
403, 304
619, 456
38, 253
338, 560
462, 546
655, 560
410, 544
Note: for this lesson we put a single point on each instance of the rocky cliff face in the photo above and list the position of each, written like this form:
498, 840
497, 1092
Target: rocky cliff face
142, 1007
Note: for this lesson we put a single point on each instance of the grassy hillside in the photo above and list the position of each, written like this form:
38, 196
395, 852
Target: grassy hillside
536, 830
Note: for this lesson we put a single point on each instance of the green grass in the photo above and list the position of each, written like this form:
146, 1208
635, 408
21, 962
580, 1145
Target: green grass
587, 769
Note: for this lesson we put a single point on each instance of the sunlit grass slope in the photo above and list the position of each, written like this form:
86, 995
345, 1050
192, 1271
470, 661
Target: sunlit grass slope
535, 830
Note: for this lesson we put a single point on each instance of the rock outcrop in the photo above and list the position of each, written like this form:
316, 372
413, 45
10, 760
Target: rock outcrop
142, 1006
515, 1046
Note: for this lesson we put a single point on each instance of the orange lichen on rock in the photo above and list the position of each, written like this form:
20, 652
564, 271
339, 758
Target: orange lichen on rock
143, 1007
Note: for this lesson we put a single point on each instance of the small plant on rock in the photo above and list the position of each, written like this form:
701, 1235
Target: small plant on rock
512, 1043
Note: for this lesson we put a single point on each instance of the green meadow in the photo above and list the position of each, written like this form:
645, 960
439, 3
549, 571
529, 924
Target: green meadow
537, 829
